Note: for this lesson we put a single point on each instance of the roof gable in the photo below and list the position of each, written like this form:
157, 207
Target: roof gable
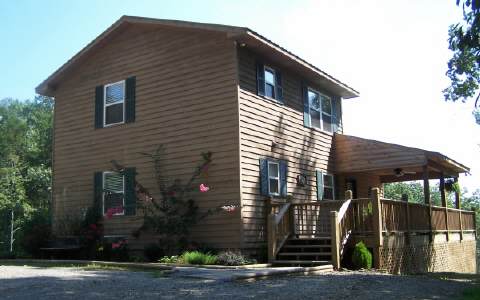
241, 34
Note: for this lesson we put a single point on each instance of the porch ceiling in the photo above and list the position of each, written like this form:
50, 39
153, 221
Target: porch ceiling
359, 155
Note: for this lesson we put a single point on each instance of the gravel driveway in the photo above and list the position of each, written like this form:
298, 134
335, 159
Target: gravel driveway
70, 283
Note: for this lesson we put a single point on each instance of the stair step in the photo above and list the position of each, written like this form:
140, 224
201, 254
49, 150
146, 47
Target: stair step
304, 253
302, 262
310, 238
307, 246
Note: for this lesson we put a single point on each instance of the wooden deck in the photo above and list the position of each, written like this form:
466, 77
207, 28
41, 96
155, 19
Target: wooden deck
368, 219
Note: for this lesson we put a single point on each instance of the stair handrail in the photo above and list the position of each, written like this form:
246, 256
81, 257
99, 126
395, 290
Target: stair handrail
339, 234
275, 236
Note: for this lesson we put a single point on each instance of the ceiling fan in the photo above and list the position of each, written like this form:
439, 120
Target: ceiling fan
399, 172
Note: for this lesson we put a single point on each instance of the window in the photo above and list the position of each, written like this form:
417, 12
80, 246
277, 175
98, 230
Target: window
269, 82
113, 193
328, 187
273, 178
114, 103
320, 110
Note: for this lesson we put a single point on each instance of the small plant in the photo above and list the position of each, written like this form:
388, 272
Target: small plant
170, 259
361, 258
153, 252
232, 258
198, 258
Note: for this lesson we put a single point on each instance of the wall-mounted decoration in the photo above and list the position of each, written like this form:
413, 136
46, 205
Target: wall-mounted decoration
301, 180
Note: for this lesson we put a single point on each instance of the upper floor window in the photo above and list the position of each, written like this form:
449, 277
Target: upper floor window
114, 105
269, 82
320, 110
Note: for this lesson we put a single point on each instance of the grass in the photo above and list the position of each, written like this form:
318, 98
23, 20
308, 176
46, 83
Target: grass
86, 267
199, 258
471, 294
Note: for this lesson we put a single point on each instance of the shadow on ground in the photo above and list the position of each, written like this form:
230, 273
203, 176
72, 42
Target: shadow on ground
67, 283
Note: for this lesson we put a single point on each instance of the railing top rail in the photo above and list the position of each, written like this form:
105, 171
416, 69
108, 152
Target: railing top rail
343, 209
425, 205
281, 213
318, 203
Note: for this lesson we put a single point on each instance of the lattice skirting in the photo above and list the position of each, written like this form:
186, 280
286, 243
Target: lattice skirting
453, 256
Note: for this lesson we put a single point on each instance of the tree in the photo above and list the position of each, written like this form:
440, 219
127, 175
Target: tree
414, 191
25, 161
464, 66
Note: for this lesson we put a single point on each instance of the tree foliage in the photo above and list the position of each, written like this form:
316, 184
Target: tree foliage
414, 192
464, 66
25, 161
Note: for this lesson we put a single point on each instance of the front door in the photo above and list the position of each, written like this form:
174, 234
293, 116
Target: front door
351, 184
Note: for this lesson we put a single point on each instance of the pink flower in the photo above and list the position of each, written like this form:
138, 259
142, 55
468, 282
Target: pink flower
116, 245
204, 188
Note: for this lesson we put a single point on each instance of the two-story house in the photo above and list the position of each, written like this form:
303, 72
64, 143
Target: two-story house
272, 120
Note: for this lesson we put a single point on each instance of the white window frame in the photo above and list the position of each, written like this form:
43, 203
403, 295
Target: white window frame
320, 96
105, 103
122, 192
327, 186
271, 70
274, 177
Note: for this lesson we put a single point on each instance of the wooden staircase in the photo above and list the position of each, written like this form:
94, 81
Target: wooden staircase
305, 252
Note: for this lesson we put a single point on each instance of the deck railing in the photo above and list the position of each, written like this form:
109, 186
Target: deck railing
371, 218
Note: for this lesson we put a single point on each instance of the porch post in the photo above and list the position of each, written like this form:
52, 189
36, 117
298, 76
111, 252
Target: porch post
377, 227
457, 196
428, 201
444, 203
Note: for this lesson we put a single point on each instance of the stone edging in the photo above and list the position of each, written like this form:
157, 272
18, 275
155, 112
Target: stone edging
155, 266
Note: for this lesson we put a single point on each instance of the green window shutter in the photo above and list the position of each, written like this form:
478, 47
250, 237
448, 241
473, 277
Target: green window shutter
306, 106
130, 84
98, 192
319, 185
99, 106
264, 177
278, 86
336, 113
283, 178
130, 194
260, 78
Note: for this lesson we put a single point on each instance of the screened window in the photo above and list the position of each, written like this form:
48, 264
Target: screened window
273, 178
328, 187
320, 110
113, 193
269, 82
114, 105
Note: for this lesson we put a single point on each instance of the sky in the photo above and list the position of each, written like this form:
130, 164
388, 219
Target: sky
394, 52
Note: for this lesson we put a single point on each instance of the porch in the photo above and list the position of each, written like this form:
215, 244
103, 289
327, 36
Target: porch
322, 232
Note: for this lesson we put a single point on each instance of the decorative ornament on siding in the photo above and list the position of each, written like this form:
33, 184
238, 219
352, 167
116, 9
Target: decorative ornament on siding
301, 180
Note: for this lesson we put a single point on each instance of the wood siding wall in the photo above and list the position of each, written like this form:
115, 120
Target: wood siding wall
263, 122
186, 99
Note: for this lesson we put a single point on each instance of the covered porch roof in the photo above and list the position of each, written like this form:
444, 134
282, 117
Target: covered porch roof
391, 162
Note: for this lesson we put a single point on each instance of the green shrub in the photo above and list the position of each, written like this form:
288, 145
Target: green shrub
199, 258
232, 258
36, 232
170, 259
153, 252
361, 258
